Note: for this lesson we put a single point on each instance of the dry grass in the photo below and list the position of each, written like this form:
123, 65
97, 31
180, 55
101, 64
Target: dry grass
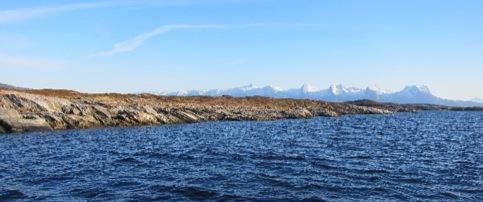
204, 100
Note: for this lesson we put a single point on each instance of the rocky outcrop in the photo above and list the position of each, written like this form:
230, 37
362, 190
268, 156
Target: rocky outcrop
45, 110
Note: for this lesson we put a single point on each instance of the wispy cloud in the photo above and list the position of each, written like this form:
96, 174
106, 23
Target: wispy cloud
10, 16
15, 15
137, 41
9, 61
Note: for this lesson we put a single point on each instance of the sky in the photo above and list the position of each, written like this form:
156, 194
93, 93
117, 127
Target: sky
169, 45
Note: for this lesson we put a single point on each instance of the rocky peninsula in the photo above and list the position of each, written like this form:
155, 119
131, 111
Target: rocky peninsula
26, 110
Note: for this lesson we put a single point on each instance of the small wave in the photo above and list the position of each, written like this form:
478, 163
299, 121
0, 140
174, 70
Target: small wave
439, 196
186, 157
6, 195
448, 194
356, 176
89, 192
152, 155
191, 192
273, 181
230, 197
313, 198
362, 157
330, 188
470, 190
124, 183
375, 171
324, 166
410, 180
195, 193
128, 160
278, 157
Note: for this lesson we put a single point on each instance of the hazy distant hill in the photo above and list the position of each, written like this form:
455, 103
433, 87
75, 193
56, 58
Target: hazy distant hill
6, 86
336, 93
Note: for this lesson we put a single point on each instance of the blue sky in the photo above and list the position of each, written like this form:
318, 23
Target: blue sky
132, 46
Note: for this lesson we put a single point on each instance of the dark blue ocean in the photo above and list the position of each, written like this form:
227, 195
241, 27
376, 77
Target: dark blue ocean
405, 156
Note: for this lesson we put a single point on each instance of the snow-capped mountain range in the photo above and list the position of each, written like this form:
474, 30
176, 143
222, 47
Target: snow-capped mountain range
335, 93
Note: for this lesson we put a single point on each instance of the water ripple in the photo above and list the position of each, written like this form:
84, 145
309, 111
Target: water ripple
406, 156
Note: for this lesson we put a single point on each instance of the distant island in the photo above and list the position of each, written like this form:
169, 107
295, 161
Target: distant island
25, 110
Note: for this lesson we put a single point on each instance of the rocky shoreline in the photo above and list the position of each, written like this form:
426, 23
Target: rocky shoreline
24, 110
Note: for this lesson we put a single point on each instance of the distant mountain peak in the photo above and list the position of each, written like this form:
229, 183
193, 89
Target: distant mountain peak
340, 89
2, 85
275, 88
307, 88
337, 89
249, 86
418, 89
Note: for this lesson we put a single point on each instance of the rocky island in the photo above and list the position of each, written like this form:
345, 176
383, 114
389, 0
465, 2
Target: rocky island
26, 110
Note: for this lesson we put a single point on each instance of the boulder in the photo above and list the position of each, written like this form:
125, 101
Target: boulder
13, 122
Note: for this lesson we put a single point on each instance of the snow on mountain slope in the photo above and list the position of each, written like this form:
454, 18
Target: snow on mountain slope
306, 88
335, 93
411, 94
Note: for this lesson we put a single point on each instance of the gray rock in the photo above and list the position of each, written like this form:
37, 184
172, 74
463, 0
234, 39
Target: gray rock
14, 122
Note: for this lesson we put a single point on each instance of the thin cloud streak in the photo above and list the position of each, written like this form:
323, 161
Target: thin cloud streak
16, 15
136, 42
10, 16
